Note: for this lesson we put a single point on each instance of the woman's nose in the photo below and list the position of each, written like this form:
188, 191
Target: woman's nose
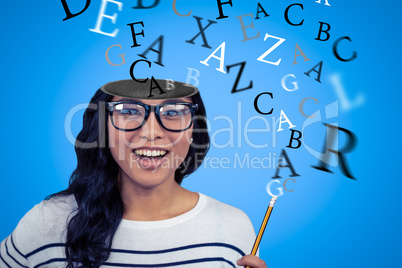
152, 129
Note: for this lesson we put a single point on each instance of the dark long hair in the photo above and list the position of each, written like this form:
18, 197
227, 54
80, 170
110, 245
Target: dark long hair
94, 184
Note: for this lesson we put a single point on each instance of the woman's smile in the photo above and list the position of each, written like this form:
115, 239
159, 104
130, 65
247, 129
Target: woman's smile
150, 158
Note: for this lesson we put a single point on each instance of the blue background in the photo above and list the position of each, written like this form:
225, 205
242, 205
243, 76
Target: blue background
49, 66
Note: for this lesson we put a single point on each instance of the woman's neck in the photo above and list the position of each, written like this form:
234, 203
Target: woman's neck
157, 203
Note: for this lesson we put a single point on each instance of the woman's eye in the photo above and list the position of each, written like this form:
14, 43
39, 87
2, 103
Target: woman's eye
172, 113
130, 112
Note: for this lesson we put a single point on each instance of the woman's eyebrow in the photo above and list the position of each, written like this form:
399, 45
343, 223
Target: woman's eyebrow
173, 100
164, 101
128, 99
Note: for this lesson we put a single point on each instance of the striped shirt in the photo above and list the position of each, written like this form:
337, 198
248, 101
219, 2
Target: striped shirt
212, 234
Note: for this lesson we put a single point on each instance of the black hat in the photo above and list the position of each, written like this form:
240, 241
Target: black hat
151, 89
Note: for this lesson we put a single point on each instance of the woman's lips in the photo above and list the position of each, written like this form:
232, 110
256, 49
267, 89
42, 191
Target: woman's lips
152, 162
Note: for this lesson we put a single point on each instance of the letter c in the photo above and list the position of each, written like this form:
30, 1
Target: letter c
335, 49
132, 71
284, 184
256, 104
68, 124
287, 15
175, 10
301, 107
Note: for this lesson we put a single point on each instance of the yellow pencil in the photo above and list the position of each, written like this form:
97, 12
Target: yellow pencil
263, 225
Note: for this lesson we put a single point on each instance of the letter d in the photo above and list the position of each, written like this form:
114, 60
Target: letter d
141, 6
68, 12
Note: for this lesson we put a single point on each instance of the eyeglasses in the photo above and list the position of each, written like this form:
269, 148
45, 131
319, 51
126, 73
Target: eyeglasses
131, 115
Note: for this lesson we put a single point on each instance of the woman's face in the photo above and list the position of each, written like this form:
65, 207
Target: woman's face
150, 155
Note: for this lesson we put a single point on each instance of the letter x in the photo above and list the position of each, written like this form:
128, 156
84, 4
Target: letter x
201, 32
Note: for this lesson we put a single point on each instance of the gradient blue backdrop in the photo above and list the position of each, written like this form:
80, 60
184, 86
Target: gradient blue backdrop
49, 66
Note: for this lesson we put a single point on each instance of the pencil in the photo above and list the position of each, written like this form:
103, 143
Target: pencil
263, 225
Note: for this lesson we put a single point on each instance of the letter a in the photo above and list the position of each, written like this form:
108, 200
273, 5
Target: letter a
326, 2
159, 51
221, 58
283, 121
284, 155
301, 54
319, 65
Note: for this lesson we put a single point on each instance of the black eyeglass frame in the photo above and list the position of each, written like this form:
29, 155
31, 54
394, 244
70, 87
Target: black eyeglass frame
152, 108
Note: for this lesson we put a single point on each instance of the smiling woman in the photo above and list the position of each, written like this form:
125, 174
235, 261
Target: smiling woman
124, 206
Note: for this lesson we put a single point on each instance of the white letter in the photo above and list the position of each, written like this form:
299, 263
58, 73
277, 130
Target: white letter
190, 75
221, 59
326, 2
229, 130
261, 58
255, 130
286, 120
345, 103
245, 160
269, 188
67, 125
294, 83
102, 14
169, 84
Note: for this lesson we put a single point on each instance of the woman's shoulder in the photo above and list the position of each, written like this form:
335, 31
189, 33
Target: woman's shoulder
57, 202
45, 224
212, 202
56, 208
47, 218
226, 211
229, 224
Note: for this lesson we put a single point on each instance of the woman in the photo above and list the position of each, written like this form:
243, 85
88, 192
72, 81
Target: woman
124, 206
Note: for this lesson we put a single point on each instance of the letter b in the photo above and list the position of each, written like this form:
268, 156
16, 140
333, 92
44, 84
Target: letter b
296, 139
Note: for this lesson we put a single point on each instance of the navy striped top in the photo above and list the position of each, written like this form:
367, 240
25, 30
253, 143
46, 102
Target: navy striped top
212, 234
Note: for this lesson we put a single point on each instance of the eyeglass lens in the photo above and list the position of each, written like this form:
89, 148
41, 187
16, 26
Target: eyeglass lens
129, 116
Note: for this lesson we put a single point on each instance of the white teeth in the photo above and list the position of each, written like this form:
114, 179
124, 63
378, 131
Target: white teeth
150, 152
